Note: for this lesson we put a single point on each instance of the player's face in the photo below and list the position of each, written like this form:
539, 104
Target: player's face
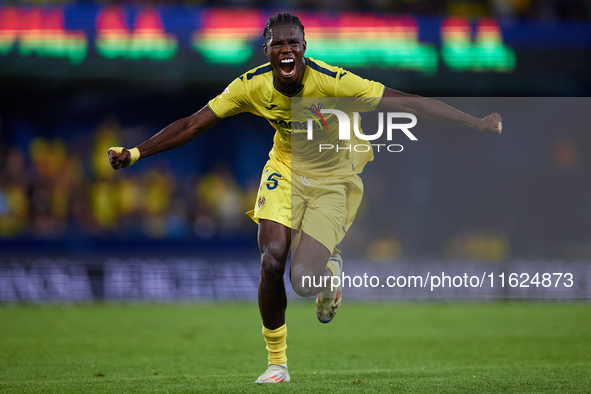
285, 47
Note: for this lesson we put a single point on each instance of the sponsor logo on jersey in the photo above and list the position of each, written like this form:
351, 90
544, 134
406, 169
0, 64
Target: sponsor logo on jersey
270, 107
289, 125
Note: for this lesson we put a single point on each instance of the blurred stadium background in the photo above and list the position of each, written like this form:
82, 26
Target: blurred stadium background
78, 77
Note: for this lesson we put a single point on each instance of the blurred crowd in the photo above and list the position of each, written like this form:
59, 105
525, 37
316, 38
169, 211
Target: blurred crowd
54, 189
523, 9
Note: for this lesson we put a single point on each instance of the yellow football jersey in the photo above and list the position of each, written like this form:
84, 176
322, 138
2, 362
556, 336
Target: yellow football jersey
256, 93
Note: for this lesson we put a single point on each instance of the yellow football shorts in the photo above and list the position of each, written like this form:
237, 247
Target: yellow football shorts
323, 208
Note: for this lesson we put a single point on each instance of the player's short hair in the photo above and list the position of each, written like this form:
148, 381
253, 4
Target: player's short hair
282, 18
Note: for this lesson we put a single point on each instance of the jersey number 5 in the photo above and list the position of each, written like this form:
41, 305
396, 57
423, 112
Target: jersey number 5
273, 181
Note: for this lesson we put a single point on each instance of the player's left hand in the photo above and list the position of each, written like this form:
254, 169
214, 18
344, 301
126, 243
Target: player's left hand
491, 124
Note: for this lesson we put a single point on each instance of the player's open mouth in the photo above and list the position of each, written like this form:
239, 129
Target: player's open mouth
287, 67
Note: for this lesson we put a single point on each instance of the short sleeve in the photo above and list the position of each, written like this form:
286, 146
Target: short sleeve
233, 100
352, 85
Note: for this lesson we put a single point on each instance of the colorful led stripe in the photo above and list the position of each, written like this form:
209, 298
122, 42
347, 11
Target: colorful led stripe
113, 35
147, 40
354, 40
227, 36
487, 53
8, 28
41, 32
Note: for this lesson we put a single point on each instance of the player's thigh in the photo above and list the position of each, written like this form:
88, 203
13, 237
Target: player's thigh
325, 216
275, 200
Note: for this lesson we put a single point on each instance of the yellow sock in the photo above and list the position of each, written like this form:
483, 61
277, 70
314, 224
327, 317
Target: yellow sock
332, 267
276, 344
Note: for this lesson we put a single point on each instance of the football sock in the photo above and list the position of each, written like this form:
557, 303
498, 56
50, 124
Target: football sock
276, 344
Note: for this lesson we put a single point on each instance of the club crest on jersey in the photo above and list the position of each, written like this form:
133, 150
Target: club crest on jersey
315, 108
261, 202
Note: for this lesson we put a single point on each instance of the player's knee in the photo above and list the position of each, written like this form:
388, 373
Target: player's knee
306, 283
272, 268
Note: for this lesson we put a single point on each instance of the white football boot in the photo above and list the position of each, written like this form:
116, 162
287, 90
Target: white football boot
274, 374
329, 301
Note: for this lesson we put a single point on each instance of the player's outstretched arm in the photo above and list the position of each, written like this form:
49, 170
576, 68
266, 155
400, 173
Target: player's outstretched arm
172, 136
431, 109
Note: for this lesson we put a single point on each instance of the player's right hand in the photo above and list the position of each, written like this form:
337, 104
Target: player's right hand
119, 157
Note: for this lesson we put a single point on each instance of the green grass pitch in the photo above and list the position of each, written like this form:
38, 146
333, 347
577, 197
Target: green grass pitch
369, 347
